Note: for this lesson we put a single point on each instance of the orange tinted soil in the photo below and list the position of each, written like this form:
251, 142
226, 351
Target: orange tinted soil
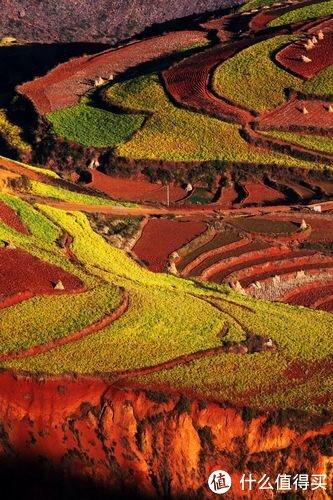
161, 237
217, 242
228, 196
258, 193
310, 294
10, 217
134, 189
64, 85
187, 82
290, 113
20, 271
321, 55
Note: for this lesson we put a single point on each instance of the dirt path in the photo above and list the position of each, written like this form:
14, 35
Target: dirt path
73, 337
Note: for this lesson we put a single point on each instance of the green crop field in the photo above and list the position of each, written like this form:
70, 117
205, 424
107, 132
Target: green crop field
255, 4
202, 137
314, 11
318, 143
91, 126
57, 316
240, 77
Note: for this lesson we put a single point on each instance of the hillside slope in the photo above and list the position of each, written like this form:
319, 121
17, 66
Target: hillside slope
105, 20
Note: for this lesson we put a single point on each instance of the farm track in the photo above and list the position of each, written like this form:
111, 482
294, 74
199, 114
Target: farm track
188, 358
73, 337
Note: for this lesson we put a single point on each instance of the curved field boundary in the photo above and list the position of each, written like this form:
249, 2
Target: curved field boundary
11, 218
297, 237
300, 290
290, 274
269, 13
172, 363
216, 251
188, 82
290, 118
257, 193
244, 258
16, 298
73, 337
281, 146
290, 57
64, 85
249, 275
320, 303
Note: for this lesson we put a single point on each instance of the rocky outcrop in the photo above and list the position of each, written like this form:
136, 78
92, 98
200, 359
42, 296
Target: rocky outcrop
147, 444
101, 20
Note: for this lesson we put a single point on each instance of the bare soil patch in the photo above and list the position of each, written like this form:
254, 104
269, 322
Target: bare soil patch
138, 189
161, 237
20, 272
10, 217
63, 86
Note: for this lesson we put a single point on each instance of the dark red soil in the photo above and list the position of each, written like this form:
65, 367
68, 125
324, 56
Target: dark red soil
242, 251
257, 253
10, 217
258, 193
328, 305
290, 113
264, 225
20, 272
289, 268
321, 226
228, 196
134, 189
310, 294
64, 85
187, 82
220, 240
321, 55
161, 237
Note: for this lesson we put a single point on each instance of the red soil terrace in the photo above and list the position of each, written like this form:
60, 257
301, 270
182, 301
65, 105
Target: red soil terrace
161, 237
228, 196
308, 295
258, 193
291, 114
321, 55
134, 189
10, 217
22, 272
188, 80
64, 85
321, 227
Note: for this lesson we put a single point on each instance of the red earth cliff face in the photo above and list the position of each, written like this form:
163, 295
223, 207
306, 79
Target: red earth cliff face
158, 446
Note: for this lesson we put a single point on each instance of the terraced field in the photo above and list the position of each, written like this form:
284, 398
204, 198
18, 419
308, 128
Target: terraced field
176, 233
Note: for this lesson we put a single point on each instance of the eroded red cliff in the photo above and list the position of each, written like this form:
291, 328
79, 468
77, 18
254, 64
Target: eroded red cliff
148, 443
